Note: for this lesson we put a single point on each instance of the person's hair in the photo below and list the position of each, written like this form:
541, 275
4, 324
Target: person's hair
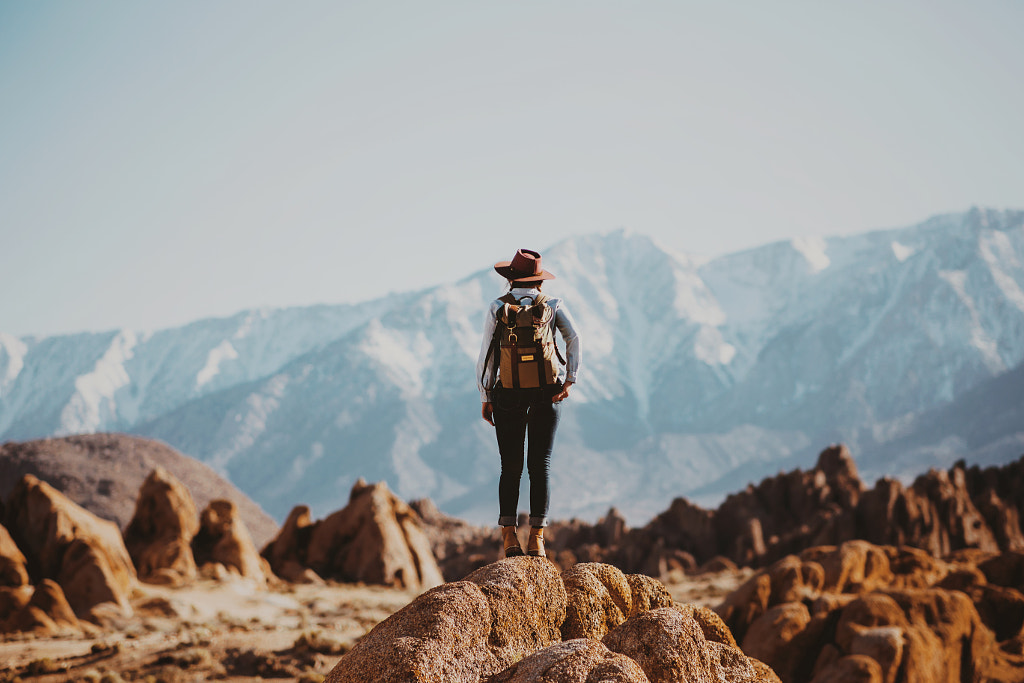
525, 283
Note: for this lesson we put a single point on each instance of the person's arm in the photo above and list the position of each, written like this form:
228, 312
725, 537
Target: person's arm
486, 368
567, 328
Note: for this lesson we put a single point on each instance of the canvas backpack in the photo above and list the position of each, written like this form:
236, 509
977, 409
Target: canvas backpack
525, 344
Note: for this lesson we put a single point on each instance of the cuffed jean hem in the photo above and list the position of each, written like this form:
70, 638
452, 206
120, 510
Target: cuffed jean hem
538, 522
507, 521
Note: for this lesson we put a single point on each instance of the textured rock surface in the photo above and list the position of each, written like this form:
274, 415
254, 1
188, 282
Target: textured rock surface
671, 647
574, 661
12, 562
64, 542
527, 604
223, 539
376, 538
502, 625
440, 637
901, 615
599, 598
160, 533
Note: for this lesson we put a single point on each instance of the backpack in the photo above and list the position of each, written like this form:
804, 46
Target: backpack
524, 339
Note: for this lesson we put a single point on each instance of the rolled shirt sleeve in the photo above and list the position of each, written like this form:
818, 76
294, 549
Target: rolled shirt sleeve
567, 328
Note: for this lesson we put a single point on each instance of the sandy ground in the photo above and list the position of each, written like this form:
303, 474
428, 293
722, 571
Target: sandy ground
230, 631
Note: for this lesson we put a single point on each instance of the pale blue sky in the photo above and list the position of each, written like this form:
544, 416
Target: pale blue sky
166, 161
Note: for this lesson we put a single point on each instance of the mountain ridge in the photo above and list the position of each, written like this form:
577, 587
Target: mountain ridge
693, 372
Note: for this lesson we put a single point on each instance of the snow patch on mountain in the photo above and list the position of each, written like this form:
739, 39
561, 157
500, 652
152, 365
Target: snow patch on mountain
12, 357
250, 421
813, 249
980, 339
711, 348
220, 353
997, 251
93, 402
901, 251
402, 355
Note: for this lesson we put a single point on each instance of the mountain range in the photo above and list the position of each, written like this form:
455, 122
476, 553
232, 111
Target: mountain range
697, 377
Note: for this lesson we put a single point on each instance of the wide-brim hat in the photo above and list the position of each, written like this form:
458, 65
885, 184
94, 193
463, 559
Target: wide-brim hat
524, 266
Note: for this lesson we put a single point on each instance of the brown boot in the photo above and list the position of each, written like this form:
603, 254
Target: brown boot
511, 542
535, 546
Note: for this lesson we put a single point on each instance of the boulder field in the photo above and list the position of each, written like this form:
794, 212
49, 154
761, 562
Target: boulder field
884, 614
520, 619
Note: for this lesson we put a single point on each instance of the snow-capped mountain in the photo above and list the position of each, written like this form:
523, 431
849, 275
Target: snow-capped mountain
697, 377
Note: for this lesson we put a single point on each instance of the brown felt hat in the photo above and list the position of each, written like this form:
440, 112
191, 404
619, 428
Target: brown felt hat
524, 266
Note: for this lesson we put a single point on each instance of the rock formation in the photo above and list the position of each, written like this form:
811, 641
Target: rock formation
223, 540
160, 533
885, 614
376, 538
504, 624
103, 474
47, 612
84, 554
941, 512
12, 562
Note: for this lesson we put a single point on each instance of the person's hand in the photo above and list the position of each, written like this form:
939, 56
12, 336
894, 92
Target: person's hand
487, 410
563, 394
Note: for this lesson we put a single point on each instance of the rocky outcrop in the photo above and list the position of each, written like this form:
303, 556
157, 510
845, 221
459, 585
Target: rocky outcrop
46, 613
941, 512
527, 603
440, 636
882, 613
63, 542
376, 538
599, 599
103, 474
12, 562
505, 623
671, 647
224, 540
159, 536
574, 661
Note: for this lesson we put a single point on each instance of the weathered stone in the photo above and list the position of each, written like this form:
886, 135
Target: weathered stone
62, 541
853, 567
781, 638
12, 562
599, 598
884, 644
47, 612
286, 553
223, 539
647, 593
851, 669
671, 647
579, 660
527, 606
160, 533
440, 637
376, 538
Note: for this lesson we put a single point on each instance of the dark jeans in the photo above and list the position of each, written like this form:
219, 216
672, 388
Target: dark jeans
518, 414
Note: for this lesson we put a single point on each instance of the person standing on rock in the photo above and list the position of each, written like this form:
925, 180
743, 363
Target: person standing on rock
523, 380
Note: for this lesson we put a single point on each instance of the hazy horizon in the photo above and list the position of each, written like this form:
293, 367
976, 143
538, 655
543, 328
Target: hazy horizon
167, 163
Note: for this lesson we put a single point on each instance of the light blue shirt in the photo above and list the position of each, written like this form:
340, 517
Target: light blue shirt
561, 320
